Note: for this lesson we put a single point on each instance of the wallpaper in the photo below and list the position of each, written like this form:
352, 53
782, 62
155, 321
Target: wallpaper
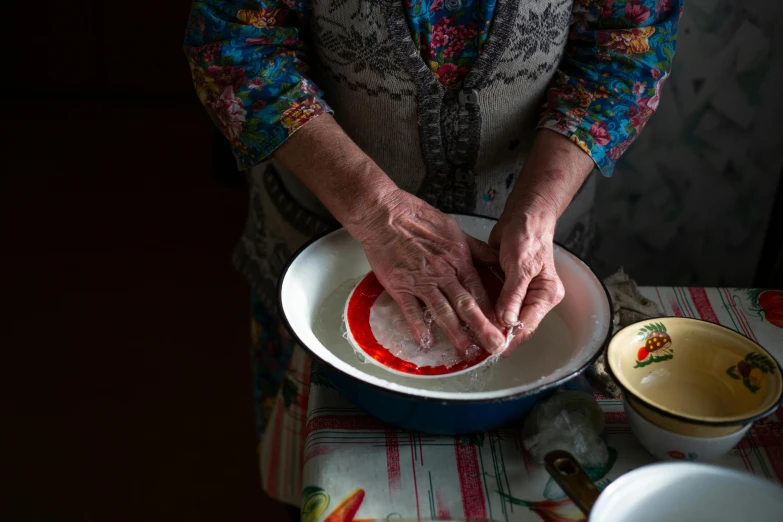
689, 203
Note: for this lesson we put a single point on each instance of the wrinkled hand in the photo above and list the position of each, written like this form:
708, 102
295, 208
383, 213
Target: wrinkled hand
532, 287
421, 255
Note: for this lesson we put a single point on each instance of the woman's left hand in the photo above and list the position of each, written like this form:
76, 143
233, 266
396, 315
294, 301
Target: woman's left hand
532, 287
524, 236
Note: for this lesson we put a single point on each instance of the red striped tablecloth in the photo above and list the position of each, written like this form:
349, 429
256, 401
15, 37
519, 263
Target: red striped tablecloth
345, 465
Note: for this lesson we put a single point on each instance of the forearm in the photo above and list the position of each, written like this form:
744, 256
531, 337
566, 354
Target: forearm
553, 172
337, 171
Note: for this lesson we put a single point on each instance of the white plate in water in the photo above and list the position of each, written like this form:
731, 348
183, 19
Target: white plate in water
376, 328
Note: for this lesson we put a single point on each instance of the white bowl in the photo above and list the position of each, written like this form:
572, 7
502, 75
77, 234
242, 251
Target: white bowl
687, 491
667, 445
312, 293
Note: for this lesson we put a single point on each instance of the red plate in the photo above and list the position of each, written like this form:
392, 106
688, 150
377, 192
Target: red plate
357, 318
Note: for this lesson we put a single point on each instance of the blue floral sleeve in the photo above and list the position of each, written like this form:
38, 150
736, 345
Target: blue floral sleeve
249, 68
609, 82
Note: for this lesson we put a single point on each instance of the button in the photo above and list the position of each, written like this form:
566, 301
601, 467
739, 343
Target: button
453, 5
468, 96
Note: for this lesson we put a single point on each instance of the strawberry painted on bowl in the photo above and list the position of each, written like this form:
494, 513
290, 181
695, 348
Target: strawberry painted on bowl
694, 378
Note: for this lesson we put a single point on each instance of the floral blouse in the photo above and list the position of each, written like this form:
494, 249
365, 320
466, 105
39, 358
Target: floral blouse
249, 67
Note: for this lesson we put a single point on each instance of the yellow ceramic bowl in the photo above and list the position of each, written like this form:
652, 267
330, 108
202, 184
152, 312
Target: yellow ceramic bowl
693, 377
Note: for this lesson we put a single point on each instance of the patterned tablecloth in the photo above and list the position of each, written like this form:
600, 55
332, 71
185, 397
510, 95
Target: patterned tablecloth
324, 454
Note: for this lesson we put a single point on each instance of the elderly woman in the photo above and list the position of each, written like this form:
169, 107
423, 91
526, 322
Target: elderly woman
385, 115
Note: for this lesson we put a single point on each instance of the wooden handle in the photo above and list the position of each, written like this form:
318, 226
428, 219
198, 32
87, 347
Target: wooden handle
570, 476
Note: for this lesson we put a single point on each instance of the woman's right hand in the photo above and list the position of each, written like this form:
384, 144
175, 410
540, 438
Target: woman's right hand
421, 255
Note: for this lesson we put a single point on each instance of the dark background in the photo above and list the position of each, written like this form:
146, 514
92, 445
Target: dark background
125, 390
125, 387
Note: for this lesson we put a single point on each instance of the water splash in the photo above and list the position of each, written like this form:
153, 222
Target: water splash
344, 332
481, 377
510, 334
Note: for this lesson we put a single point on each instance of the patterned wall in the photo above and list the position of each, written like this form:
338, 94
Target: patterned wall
690, 201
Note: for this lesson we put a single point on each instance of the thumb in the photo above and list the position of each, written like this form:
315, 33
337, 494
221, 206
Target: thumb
481, 252
494, 237
512, 296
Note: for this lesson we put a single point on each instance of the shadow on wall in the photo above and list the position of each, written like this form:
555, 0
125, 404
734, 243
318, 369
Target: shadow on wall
690, 202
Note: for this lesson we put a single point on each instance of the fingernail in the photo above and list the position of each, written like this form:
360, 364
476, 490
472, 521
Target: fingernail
510, 318
497, 343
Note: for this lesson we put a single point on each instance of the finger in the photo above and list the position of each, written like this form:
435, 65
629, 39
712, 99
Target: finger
481, 252
513, 295
467, 306
448, 321
414, 316
470, 280
544, 293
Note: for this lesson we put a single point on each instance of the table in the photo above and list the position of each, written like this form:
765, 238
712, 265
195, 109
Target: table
323, 453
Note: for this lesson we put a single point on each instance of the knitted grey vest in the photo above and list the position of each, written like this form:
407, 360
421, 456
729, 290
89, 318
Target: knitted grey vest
459, 148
